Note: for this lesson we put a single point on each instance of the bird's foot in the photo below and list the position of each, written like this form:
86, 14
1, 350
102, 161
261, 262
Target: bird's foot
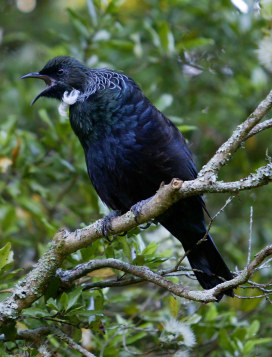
137, 208
106, 223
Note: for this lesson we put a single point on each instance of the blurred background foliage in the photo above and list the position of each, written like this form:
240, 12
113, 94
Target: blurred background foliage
197, 61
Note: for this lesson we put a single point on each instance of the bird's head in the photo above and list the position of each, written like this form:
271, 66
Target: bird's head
60, 74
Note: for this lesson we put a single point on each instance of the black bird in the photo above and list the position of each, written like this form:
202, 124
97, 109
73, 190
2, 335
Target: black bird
130, 148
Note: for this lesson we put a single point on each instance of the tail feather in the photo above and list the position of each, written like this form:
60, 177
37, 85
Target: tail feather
186, 222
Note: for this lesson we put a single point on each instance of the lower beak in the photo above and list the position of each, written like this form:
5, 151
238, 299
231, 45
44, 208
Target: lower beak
48, 80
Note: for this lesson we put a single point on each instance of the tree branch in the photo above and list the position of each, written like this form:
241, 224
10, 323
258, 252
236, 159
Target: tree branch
144, 273
67, 277
64, 243
224, 153
259, 127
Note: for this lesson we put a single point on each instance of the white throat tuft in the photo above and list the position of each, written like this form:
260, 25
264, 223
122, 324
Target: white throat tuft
67, 100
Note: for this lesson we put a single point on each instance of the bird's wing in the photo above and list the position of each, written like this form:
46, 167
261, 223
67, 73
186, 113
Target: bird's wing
165, 154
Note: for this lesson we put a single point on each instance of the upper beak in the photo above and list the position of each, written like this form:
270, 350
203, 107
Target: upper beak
48, 80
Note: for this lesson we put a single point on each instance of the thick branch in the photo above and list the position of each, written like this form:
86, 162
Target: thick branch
34, 284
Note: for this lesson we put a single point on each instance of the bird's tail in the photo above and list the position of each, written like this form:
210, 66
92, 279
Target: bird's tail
209, 266
188, 226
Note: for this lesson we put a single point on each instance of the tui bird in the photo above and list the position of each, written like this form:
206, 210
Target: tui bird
130, 148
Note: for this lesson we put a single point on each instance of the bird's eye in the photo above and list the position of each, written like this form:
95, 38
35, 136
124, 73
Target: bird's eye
60, 71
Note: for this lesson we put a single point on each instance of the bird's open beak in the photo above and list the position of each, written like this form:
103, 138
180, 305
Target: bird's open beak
50, 82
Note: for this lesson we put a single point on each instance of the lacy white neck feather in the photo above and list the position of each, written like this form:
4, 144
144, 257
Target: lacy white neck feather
67, 100
99, 79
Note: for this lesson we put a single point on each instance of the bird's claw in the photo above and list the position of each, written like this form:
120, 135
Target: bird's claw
106, 223
148, 224
137, 208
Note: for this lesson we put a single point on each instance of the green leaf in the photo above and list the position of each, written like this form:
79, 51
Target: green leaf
186, 128
45, 118
64, 301
6, 255
92, 11
125, 247
136, 337
31, 206
193, 319
50, 228
174, 306
166, 37
249, 345
253, 329
78, 23
194, 43
150, 249
3, 353
109, 252
99, 300
164, 101
36, 311
153, 33
139, 260
89, 313
73, 297
52, 305
9, 219
212, 313
114, 6
224, 340
10, 275
120, 44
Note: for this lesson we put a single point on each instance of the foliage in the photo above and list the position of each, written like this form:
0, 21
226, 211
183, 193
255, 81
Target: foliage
196, 61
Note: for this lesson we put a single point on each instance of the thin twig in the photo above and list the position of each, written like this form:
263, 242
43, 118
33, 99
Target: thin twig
207, 231
101, 354
250, 236
252, 297
71, 343
126, 347
38, 334
259, 127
